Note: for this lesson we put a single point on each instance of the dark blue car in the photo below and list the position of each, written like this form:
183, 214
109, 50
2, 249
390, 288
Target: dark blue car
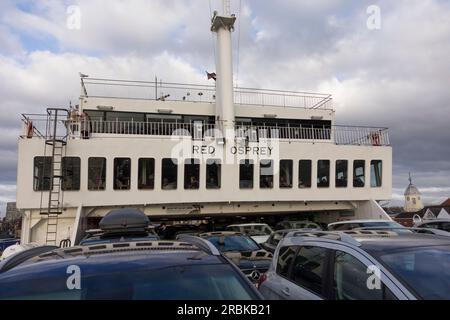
153, 270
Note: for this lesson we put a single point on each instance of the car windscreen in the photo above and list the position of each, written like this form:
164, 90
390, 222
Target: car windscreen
188, 282
425, 269
233, 243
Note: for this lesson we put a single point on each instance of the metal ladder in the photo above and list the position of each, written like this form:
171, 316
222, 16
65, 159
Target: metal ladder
57, 144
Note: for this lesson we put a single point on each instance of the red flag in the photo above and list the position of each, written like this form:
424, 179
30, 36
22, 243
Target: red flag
211, 75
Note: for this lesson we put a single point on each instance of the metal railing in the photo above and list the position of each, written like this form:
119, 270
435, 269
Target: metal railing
341, 135
165, 91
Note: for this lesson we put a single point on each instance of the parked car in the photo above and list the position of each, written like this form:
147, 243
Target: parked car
152, 270
346, 265
259, 232
283, 225
171, 231
242, 251
6, 241
440, 224
353, 224
272, 242
121, 225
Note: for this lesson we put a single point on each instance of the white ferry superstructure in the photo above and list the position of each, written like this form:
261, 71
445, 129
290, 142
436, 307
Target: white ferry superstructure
194, 151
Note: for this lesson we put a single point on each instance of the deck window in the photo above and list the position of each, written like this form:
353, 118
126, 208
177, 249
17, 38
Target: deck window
341, 173
71, 173
169, 174
122, 173
286, 173
304, 173
96, 173
42, 173
192, 174
359, 173
213, 174
323, 173
376, 173
266, 174
146, 173
246, 174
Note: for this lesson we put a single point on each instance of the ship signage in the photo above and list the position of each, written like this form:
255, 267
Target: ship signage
239, 150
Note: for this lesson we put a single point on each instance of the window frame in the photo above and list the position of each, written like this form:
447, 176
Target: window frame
269, 165
289, 184
209, 163
176, 164
328, 185
364, 175
308, 185
115, 176
243, 162
63, 184
336, 173
374, 173
36, 186
141, 161
105, 160
195, 168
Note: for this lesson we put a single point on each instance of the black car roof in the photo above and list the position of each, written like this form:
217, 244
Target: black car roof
174, 252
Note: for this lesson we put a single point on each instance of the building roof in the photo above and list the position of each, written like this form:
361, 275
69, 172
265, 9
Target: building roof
446, 203
434, 209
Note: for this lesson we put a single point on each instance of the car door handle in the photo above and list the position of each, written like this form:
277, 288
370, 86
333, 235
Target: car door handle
286, 292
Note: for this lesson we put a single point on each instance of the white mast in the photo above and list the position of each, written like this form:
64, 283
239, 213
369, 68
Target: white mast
223, 25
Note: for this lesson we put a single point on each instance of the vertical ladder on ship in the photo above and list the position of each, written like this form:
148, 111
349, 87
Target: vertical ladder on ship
57, 143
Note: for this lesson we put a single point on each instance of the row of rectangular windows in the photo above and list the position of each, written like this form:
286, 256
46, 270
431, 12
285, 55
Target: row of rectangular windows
169, 173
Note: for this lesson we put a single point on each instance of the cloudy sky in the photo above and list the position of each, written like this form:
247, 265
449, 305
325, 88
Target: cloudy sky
397, 75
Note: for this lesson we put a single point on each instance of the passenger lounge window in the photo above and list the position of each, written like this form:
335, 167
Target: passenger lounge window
323, 173
146, 173
341, 173
169, 174
71, 173
266, 174
359, 173
42, 173
246, 174
286, 173
122, 173
192, 174
96, 173
376, 173
213, 174
304, 174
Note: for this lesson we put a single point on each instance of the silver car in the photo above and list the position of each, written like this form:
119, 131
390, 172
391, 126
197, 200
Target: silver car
359, 265
440, 224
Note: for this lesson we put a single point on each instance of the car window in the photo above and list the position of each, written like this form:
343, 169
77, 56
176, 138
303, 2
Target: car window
425, 270
308, 269
445, 226
344, 226
352, 280
198, 282
233, 243
285, 258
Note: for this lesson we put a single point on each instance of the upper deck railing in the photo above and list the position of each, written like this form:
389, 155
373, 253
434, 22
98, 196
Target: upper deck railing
165, 91
92, 129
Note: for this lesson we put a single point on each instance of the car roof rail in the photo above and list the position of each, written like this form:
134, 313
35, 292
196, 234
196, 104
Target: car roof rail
332, 235
23, 256
201, 243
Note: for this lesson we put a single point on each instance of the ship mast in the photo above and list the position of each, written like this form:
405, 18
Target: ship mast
223, 25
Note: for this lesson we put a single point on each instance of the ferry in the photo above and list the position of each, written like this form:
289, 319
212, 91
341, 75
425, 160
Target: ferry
196, 151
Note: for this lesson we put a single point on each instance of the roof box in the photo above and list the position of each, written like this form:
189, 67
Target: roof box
129, 219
